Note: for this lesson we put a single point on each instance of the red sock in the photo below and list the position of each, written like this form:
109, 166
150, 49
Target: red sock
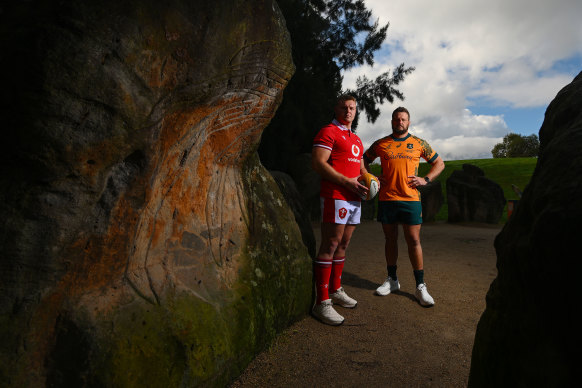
337, 268
322, 270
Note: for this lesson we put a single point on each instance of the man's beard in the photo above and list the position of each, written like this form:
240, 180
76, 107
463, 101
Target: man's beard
398, 131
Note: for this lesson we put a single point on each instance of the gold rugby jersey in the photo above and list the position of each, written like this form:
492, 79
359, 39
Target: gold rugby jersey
399, 159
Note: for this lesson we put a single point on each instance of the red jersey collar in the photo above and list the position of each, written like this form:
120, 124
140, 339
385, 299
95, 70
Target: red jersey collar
340, 125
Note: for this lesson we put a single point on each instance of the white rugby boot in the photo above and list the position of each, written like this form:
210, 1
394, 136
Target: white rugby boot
327, 314
341, 298
388, 286
423, 296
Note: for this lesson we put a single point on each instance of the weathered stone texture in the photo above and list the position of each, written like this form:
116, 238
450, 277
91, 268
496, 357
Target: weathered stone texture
431, 198
529, 334
308, 183
296, 203
142, 241
473, 197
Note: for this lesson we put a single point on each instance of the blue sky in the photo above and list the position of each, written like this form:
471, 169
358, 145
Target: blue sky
483, 68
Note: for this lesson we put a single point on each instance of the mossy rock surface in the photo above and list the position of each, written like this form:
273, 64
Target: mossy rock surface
143, 244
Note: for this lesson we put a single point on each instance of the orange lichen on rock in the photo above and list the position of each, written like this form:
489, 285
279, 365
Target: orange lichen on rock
143, 234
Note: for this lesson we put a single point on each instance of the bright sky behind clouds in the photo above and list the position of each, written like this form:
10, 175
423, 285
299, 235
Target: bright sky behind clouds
483, 68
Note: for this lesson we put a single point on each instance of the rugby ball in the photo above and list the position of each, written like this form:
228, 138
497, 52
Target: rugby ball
372, 183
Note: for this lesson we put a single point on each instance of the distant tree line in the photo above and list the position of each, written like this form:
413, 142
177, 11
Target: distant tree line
327, 37
517, 146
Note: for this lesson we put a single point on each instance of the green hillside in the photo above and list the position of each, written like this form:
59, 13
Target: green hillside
504, 171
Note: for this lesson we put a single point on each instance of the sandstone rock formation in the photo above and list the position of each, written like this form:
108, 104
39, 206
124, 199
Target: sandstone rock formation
295, 201
143, 244
529, 333
308, 183
431, 197
473, 197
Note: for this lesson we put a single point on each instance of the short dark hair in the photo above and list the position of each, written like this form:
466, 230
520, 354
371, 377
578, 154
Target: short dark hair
345, 97
401, 109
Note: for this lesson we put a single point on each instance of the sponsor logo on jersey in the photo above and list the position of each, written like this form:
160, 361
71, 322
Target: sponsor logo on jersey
390, 155
356, 152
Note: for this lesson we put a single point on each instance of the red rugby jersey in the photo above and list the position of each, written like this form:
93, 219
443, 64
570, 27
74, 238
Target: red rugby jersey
346, 155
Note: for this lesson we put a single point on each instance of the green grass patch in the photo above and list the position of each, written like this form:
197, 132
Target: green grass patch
503, 171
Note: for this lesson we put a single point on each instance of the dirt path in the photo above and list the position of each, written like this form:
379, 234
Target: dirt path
391, 341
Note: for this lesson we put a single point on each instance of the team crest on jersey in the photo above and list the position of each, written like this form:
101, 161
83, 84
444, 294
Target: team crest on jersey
342, 213
409, 146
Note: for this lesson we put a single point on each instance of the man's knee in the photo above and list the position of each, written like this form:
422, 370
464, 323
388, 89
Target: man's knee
343, 245
331, 243
413, 242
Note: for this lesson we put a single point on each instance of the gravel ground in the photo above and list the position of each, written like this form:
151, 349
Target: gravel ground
391, 341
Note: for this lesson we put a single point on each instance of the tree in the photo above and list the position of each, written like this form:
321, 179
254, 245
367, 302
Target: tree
516, 146
371, 93
327, 37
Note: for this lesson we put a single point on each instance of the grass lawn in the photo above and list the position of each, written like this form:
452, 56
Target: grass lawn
503, 171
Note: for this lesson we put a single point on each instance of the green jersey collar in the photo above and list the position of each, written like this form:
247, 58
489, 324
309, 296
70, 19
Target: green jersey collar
400, 139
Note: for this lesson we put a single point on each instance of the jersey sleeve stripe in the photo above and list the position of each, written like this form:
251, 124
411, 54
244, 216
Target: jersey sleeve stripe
322, 146
433, 158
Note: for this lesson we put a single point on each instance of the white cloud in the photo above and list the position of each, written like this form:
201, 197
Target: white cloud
462, 147
467, 136
498, 52
522, 90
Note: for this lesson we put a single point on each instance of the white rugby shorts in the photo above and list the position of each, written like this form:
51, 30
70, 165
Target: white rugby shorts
339, 211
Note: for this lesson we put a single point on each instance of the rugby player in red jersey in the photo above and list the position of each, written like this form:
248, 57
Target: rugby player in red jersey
399, 199
337, 158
